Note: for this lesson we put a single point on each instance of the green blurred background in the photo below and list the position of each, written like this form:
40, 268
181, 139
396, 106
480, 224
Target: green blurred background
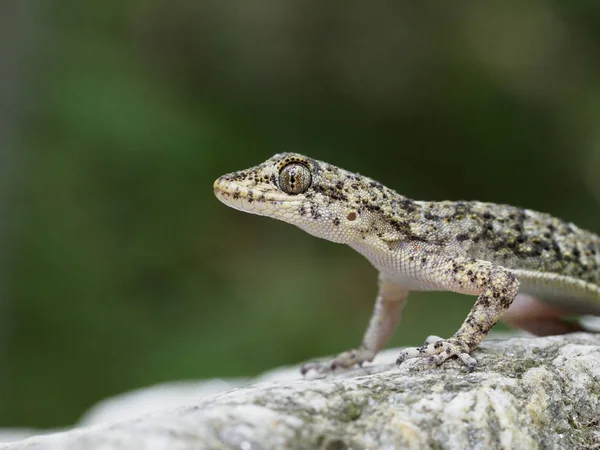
120, 269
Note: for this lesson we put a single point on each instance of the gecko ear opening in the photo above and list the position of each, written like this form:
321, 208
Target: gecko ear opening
295, 179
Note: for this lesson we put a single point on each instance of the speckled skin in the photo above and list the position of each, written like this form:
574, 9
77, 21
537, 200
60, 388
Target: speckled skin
492, 251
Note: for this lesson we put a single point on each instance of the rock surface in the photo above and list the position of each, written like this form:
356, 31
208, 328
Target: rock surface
526, 393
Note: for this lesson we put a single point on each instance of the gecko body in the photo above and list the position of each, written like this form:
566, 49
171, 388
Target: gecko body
526, 267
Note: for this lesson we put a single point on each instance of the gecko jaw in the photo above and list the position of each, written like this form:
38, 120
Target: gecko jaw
253, 200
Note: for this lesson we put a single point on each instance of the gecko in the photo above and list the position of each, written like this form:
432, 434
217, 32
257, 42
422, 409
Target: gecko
527, 268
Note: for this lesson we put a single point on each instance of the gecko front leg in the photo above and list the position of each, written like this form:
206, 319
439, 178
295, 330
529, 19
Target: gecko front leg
496, 288
384, 321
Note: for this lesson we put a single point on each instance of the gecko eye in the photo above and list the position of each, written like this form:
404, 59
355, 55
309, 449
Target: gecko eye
295, 178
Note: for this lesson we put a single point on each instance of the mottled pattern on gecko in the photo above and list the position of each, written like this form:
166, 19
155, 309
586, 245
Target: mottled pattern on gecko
497, 252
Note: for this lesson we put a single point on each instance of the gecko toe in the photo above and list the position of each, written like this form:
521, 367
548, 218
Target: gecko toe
468, 361
432, 339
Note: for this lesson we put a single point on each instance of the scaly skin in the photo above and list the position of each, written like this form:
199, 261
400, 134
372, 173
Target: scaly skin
492, 251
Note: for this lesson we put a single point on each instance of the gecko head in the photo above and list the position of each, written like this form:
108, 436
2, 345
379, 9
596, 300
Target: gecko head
322, 199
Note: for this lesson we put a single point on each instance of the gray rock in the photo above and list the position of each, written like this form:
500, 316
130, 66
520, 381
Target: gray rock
525, 393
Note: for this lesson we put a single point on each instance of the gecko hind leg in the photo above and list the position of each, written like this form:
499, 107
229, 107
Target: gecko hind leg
538, 318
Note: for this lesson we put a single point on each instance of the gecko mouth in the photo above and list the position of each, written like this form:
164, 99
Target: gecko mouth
253, 200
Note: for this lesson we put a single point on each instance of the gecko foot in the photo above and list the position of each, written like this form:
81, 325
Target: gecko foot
342, 361
437, 350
